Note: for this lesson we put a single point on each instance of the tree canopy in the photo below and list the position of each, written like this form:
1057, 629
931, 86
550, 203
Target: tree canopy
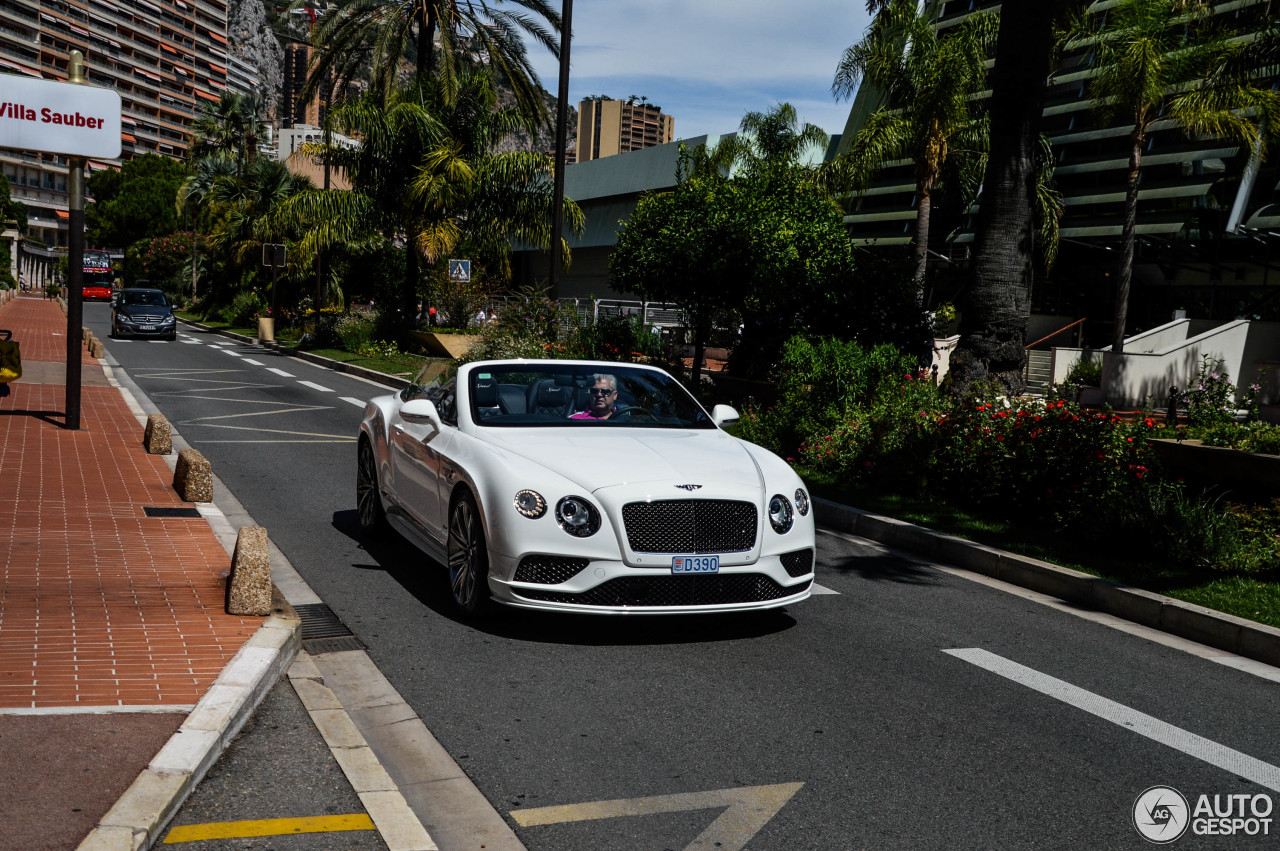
138, 202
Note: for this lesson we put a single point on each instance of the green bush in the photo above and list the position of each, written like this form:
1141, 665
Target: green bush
354, 331
1250, 436
244, 310
1086, 372
1210, 398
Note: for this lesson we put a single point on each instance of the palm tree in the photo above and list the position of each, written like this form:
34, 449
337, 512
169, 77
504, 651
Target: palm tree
354, 35
932, 81
425, 170
768, 140
232, 127
1164, 60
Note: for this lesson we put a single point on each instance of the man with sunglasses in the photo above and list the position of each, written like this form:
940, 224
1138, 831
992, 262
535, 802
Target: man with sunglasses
603, 399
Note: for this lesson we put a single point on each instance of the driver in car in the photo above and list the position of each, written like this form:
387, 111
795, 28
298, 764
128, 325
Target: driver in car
603, 399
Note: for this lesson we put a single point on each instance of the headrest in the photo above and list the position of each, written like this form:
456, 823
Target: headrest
486, 393
552, 395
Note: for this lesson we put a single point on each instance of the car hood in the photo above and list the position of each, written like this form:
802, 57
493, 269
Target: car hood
610, 458
143, 309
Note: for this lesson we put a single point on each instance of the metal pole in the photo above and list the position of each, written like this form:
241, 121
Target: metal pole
328, 140
562, 137
75, 264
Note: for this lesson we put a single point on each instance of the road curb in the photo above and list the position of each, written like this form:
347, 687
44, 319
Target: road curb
336, 365
1185, 620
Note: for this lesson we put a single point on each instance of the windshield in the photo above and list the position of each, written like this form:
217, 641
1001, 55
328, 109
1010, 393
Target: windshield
523, 395
148, 297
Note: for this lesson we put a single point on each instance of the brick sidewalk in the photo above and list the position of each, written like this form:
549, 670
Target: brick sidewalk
100, 606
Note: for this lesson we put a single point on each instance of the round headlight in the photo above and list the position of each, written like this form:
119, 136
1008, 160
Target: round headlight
802, 502
577, 517
780, 515
531, 504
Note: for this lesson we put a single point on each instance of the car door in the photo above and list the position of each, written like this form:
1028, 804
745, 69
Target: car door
416, 459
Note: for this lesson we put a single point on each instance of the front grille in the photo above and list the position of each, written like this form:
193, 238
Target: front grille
548, 570
672, 591
799, 563
146, 318
690, 526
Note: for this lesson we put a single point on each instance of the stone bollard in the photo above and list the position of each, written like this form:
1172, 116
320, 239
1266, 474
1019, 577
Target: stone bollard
158, 438
249, 588
193, 477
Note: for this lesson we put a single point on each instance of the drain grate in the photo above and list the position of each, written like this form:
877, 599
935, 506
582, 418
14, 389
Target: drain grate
324, 632
163, 511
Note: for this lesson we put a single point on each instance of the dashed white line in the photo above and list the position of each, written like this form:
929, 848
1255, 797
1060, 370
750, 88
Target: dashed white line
357, 402
254, 362
281, 372
1233, 761
191, 342
315, 386
232, 352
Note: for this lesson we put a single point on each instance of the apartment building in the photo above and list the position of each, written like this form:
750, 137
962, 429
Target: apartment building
164, 58
607, 127
1208, 220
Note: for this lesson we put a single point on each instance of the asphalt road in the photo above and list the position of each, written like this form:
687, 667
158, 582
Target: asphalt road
916, 709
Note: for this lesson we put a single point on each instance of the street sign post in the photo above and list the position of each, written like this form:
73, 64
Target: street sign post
273, 256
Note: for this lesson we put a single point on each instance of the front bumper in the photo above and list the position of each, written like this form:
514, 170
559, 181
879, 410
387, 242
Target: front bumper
610, 587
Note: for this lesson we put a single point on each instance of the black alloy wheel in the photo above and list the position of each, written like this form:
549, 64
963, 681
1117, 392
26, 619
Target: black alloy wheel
468, 558
368, 499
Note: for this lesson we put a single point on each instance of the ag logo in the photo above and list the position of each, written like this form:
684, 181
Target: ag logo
1160, 814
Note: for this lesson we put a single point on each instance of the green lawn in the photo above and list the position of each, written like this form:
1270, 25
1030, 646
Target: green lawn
1254, 596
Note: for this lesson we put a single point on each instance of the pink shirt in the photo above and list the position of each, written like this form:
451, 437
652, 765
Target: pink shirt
587, 415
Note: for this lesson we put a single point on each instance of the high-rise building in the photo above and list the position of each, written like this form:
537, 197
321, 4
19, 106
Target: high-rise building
607, 127
164, 58
1208, 220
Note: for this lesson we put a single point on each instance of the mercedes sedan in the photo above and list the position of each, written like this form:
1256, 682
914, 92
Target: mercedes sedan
580, 486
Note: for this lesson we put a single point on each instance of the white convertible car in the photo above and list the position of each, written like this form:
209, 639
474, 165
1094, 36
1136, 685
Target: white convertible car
580, 486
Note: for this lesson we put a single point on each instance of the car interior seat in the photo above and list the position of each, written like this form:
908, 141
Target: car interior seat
485, 397
552, 396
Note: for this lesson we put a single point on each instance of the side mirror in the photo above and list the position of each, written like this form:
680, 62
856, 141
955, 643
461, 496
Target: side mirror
422, 412
724, 415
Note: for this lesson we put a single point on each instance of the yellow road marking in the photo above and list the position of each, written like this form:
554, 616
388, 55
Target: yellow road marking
267, 827
748, 809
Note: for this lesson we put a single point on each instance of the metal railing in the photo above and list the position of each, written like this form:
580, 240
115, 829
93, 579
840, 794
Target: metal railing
1059, 331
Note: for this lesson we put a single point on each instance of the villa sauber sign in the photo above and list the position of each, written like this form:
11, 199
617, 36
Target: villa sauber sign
59, 118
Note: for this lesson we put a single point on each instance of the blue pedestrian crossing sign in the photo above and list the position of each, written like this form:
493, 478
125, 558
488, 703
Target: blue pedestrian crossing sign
460, 270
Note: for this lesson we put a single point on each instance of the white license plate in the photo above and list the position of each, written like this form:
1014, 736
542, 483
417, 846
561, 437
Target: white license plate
146, 327
695, 564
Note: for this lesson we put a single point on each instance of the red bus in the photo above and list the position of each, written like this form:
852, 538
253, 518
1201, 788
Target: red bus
96, 275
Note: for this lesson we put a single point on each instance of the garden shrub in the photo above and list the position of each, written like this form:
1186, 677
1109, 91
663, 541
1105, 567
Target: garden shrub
1086, 372
244, 309
1210, 398
354, 331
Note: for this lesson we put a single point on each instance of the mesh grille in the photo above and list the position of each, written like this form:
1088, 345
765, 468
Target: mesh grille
690, 526
672, 591
799, 563
548, 570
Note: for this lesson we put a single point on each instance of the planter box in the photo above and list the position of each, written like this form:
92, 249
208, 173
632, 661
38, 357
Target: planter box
447, 345
1230, 468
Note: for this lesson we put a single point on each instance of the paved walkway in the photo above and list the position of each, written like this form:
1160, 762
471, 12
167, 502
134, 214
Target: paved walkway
111, 622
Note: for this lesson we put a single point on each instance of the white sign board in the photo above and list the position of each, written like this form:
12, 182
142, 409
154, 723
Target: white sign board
59, 118
460, 271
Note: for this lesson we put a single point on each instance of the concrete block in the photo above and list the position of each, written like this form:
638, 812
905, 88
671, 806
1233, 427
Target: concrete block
216, 710
149, 802
112, 839
249, 591
1063, 583
836, 516
314, 696
337, 729
158, 436
396, 822
948, 549
1132, 604
1261, 642
188, 752
364, 772
193, 477
1201, 624
304, 668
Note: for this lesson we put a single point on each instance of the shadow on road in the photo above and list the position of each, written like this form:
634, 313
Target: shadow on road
885, 568
427, 581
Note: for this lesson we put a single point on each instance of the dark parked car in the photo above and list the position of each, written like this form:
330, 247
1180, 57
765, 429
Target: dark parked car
142, 313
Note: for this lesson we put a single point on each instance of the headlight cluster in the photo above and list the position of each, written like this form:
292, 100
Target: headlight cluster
530, 504
781, 515
575, 514
577, 517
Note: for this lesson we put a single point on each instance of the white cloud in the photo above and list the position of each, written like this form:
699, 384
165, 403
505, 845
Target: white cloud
708, 62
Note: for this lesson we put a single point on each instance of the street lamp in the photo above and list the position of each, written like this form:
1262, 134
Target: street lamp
562, 120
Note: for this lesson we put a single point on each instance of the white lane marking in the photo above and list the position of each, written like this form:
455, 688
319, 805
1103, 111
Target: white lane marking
254, 362
120, 340
281, 372
1228, 759
191, 342
822, 589
353, 400
315, 386
231, 352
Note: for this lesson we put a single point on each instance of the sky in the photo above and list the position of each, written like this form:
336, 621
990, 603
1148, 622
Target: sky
709, 62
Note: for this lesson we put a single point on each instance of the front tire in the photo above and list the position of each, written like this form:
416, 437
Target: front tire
468, 558
368, 495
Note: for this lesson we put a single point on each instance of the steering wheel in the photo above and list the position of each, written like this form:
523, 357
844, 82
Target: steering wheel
629, 411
